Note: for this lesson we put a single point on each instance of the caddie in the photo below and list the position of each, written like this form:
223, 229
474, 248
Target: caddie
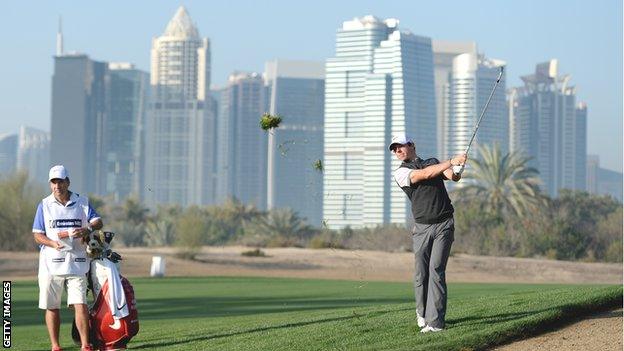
62, 220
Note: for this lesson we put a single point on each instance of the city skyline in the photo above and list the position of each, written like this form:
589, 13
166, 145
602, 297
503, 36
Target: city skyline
587, 40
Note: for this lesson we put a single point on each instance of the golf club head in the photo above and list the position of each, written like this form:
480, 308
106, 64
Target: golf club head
108, 237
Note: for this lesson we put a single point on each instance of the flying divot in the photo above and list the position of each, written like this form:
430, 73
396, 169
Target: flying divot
318, 165
268, 121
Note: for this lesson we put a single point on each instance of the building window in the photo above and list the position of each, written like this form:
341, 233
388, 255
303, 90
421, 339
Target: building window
345, 166
348, 82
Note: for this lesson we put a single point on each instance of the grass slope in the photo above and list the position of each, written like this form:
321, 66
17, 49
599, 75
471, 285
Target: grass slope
225, 313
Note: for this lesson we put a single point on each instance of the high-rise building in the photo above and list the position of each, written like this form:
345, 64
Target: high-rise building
379, 83
105, 103
472, 79
97, 116
548, 126
180, 165
601, 181
224, 188
242, 143
123, 140
33, 153
296, 90
79, 110
443, 54
8, 153
579, 128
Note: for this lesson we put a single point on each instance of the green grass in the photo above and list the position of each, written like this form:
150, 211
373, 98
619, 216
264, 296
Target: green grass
219, 313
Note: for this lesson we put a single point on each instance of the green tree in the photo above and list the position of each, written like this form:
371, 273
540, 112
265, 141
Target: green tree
580, 229
134, 211
128, 221
18, 203
228, 220
98, 203
191, 228
160, 230
279, 227
503, 184
609, 246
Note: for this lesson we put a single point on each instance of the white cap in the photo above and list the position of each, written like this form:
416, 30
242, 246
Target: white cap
401, 139
58, 172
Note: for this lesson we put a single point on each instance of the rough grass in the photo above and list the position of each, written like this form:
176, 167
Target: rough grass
219, 313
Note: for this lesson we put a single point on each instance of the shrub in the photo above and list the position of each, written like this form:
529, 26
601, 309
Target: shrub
254, 253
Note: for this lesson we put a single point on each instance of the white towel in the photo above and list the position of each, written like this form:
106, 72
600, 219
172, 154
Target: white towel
116, 296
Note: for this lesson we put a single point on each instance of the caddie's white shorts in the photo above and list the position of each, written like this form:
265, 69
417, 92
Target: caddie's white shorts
51, 290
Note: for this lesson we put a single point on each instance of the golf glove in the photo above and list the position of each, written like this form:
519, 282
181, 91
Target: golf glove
458, 170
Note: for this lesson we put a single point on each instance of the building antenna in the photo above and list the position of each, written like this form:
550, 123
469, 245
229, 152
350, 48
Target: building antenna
59, 38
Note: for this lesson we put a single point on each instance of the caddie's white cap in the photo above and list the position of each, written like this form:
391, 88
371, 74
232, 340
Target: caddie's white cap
401, 139
58, 172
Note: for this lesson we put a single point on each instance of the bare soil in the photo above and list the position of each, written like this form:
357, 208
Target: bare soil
338, 264
600, 332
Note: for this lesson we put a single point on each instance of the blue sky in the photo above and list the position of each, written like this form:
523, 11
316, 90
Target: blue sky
586, 37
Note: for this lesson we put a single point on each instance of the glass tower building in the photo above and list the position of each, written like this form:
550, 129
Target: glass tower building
296, 92
79, 87
379, 83
548, 126
33, 153
8, 153
472, 80
180, 165
124, 135
443, 54
242, 143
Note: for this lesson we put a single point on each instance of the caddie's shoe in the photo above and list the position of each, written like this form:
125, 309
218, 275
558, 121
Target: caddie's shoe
86, 348
420, 320
57, 349
430, 329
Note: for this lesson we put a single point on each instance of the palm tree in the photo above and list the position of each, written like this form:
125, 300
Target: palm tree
279, 224
134, 211
502, 184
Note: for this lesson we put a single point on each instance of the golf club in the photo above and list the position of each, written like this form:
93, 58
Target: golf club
457, 170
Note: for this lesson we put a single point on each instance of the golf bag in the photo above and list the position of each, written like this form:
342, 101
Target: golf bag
113, 317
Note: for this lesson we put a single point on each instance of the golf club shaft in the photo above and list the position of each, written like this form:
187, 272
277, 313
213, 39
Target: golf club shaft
474, 133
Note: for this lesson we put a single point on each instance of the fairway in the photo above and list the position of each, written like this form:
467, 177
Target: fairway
226, 313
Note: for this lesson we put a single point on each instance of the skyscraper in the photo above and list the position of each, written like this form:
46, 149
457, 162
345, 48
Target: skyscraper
8, 153
123, 130
379, 83
79, 110
601, 181
97, 116
580, 148
296, 92
472, 79
33, 153
242, 144
548, 126
443, 54
180, 139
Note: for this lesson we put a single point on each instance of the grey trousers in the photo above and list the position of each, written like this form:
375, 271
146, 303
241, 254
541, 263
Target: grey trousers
432, 246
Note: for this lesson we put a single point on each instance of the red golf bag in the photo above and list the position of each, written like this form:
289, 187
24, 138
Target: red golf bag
108, 333
113, 318
105, 331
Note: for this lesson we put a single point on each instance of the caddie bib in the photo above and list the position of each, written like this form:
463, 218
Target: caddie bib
59, 222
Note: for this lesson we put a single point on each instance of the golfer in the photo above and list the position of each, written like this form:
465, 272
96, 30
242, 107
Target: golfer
432, 235
61, 222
